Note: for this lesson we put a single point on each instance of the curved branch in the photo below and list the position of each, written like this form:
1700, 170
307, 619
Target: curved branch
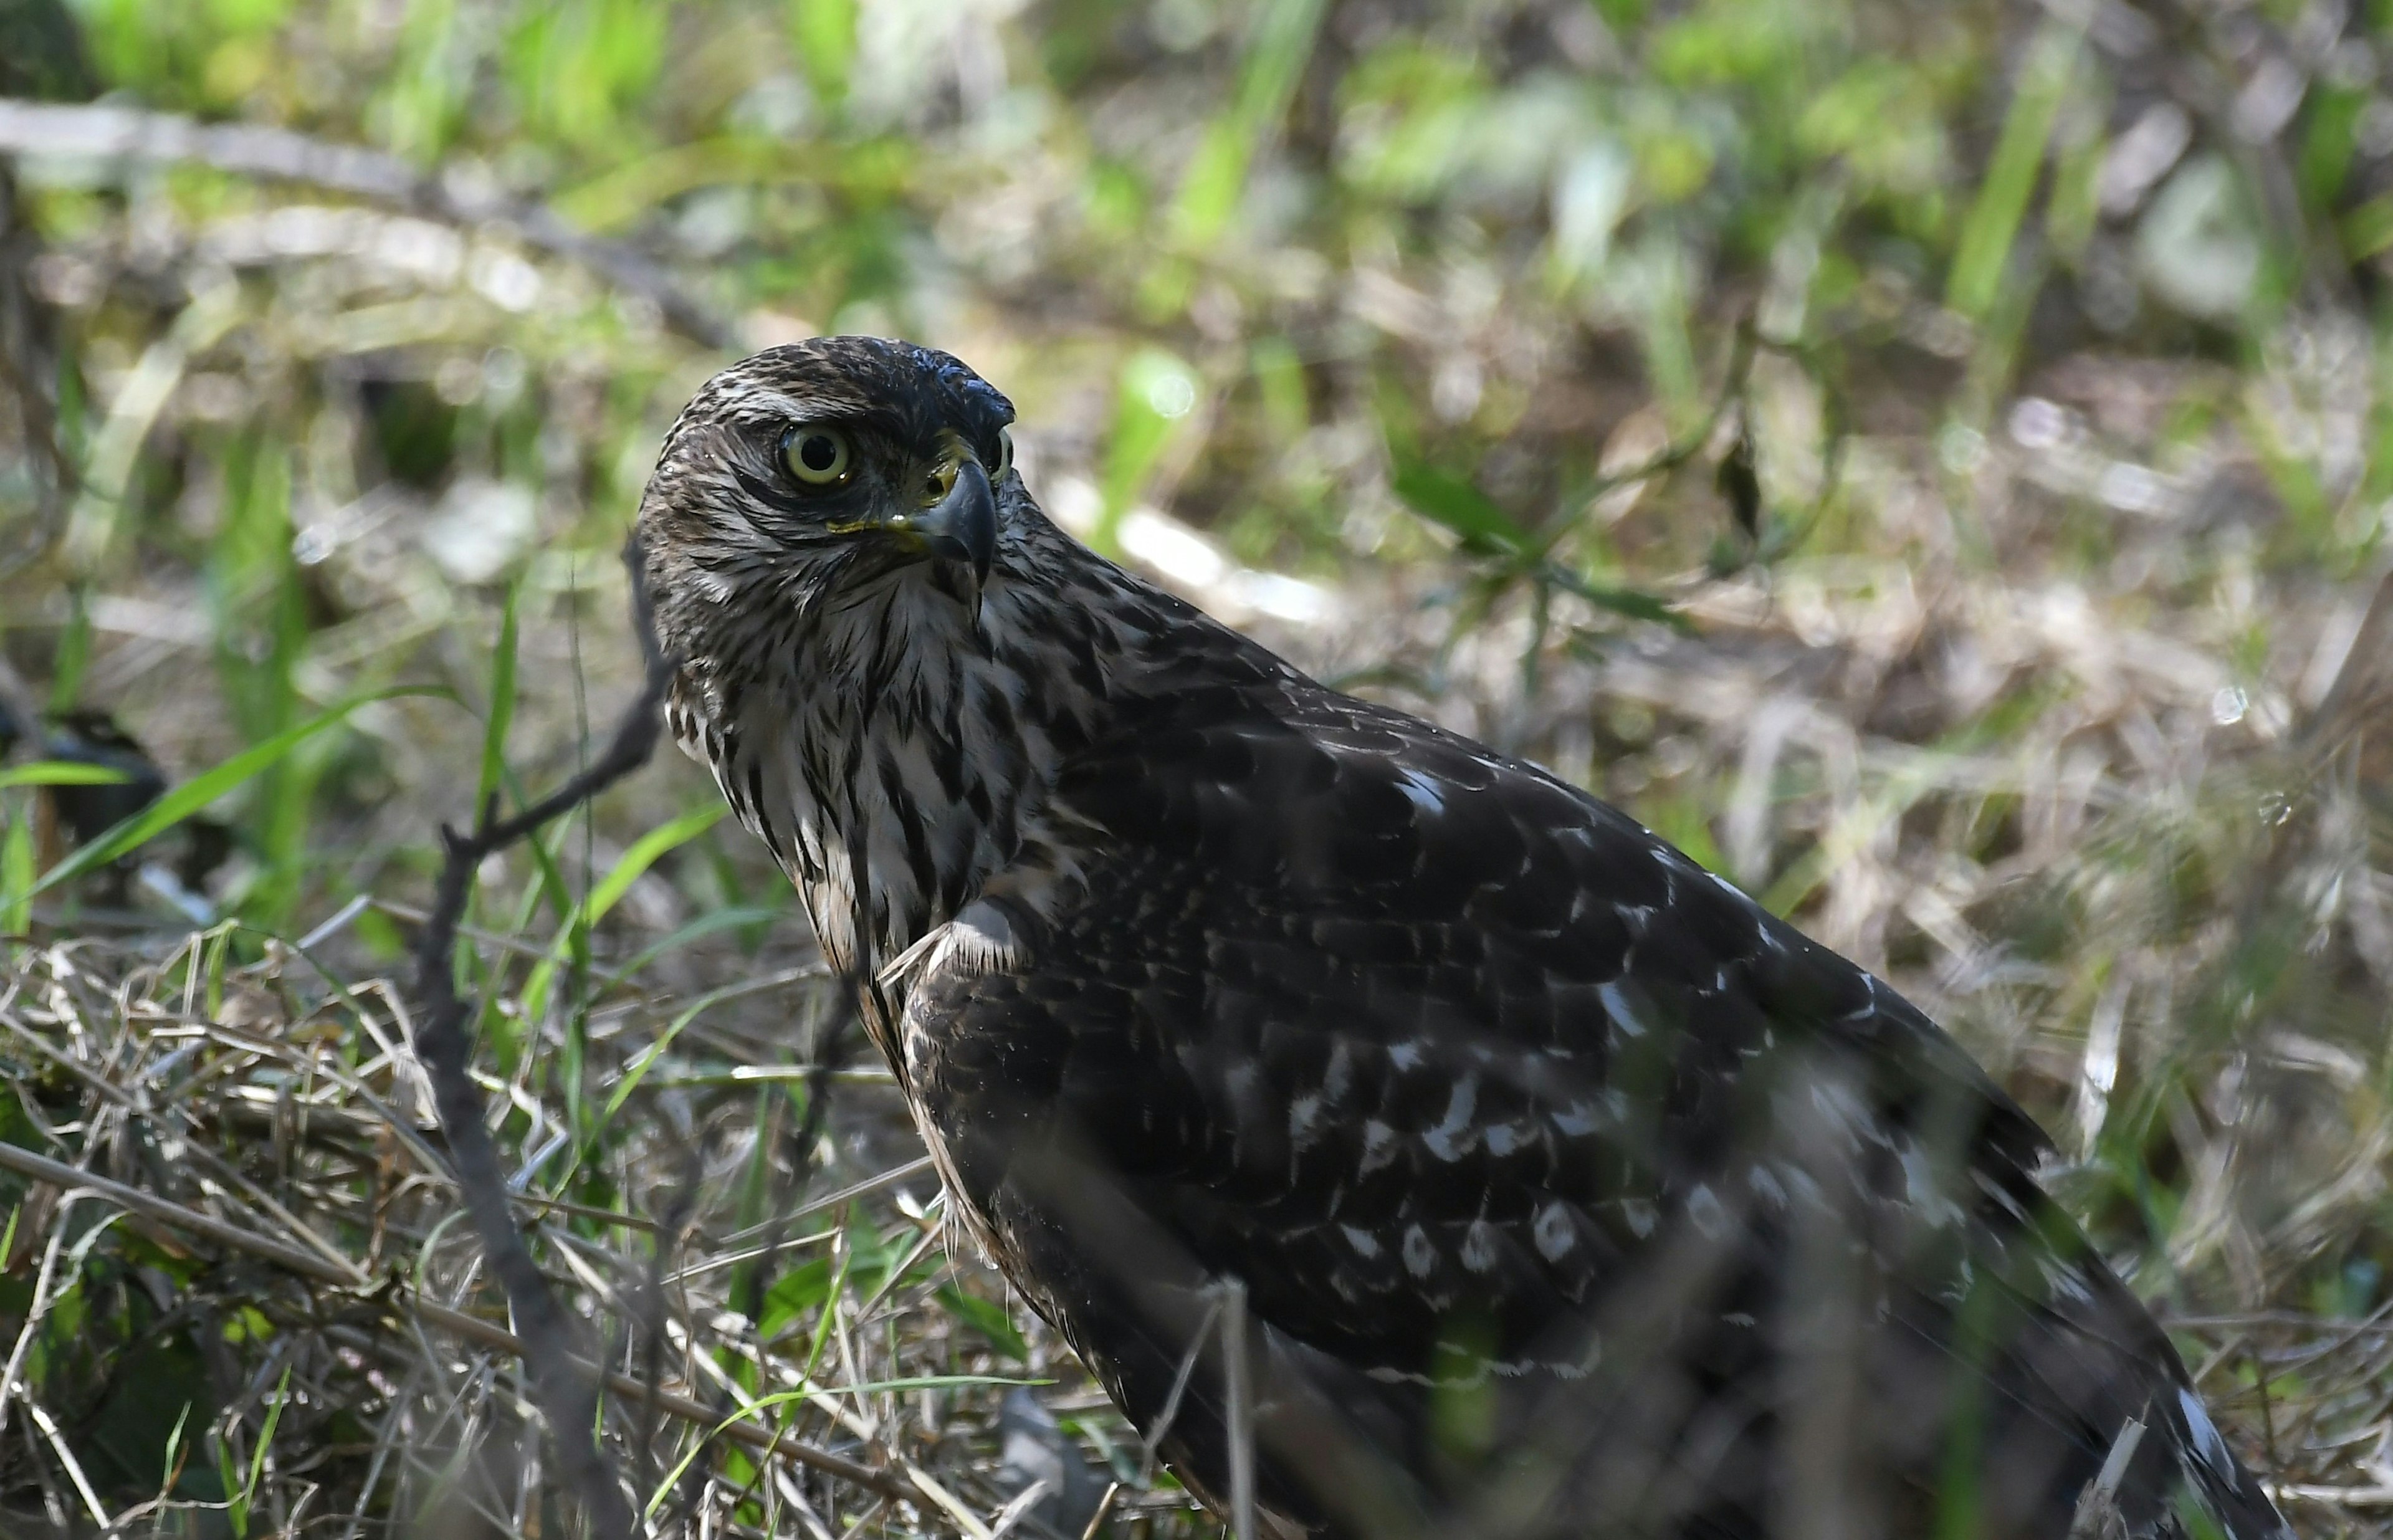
569, 1397
279, 154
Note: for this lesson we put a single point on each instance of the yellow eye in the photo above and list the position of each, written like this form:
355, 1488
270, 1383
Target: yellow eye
817, 456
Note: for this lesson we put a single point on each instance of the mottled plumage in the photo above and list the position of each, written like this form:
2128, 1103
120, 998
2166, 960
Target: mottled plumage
1566, 1191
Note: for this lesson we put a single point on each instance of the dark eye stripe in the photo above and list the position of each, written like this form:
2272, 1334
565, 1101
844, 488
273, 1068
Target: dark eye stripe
774, 494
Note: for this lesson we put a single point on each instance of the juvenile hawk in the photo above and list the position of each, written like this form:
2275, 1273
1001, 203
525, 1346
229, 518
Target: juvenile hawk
1552, 1186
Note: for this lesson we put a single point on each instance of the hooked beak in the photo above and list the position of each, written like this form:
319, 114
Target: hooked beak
962, 524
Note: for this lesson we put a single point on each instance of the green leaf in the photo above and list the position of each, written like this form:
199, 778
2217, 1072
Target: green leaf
704, 925
74, 650
1635, 604
988, 1318
1486, 529
643, 854
173, 1465
794, 1293
2368, 230
206, 787
16, 875
824, 31
622, 195
236, 1504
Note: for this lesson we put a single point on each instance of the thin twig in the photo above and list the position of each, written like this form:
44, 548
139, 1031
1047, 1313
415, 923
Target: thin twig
890, 1178
1105, 1510
567, 1396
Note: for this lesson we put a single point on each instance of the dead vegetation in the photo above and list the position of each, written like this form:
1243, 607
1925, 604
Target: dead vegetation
2045, 664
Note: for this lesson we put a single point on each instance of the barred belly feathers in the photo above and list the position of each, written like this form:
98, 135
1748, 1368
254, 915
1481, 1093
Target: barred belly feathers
1559, 1188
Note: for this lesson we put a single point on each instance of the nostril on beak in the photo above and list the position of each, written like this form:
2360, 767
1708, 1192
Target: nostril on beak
962, 524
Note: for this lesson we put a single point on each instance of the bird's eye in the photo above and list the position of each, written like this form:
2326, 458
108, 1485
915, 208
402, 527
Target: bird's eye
1004, 453
817, 456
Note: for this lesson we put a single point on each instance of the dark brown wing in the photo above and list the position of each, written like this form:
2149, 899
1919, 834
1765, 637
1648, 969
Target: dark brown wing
1561, 1177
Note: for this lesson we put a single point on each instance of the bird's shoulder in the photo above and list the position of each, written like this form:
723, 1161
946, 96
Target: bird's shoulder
1373, 987
1320, 843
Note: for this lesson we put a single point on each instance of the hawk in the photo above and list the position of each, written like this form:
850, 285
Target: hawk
1410, 1142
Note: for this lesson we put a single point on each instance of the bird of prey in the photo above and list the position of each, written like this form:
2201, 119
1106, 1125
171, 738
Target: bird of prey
1410, 1142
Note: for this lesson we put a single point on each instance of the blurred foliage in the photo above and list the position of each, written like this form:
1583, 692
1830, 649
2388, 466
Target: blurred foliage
1928, 458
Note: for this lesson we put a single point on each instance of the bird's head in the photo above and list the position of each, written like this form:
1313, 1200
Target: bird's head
809, 479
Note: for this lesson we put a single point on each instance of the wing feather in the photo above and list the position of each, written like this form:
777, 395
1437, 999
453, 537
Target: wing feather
1442, 1060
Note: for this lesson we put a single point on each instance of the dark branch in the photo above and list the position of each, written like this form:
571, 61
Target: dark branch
569, 1398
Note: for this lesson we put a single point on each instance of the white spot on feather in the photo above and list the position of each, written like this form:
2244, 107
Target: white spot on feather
1554, 1233
1452, 1137
1703, 1208
1479, 1247
1421, 1257
1366, 1244
1576, 1121
1625, 1013
2061, 1279
1920, 1185
1640, 1215
1340, 1077
1379, 1145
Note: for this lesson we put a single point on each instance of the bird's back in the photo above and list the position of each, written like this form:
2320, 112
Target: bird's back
1569, 1192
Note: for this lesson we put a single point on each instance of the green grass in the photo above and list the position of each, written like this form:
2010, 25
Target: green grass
1982, 609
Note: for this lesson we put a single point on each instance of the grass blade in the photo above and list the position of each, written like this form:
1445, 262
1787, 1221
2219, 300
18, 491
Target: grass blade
503, 702
1275, 62
59, 772
815, 1392
1445, 499
1992, 227
265, 1440
206, 787
644, 854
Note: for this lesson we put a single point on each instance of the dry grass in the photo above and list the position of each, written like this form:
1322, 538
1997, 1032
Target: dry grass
305, 1313
2063, 701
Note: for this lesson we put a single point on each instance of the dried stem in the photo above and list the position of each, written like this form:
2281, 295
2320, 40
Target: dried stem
567, 1396
246, 149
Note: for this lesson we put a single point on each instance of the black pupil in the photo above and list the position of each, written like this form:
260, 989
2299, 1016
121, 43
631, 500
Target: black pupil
816, 452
